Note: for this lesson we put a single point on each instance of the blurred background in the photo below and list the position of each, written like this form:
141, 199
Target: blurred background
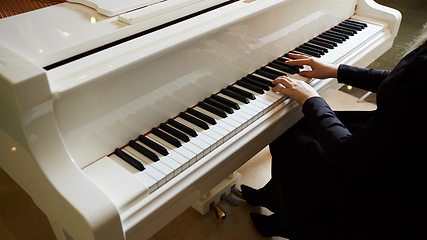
414, 16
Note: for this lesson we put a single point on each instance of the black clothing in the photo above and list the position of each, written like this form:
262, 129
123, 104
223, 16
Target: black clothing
358, 175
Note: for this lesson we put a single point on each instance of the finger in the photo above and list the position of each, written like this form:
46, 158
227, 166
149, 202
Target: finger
298, 56
298, 62
307, 74
286, 82
279, 89
278, 79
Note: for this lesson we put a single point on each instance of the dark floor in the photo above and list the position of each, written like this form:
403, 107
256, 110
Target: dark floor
414, 16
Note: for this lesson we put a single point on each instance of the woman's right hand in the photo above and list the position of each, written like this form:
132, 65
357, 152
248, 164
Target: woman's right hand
319, 68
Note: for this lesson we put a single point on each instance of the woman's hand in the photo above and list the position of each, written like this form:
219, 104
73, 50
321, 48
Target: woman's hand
298, 90
319, 68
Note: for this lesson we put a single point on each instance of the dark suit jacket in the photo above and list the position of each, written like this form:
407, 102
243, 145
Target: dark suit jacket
386, 156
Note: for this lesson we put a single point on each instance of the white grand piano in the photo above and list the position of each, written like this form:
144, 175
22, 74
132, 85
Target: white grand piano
85, 88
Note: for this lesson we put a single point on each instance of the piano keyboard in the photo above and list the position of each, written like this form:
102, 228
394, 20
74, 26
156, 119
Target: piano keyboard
158, 156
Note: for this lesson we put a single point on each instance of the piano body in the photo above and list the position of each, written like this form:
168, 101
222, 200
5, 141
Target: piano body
76, 84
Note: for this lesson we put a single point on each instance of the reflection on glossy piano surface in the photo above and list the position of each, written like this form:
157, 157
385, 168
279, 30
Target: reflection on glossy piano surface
118, 115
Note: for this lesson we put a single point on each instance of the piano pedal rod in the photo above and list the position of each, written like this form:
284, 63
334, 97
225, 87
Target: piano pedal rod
220, 192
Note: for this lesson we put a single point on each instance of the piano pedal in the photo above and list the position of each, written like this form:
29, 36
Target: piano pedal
219, 213
230, 200
237, 192
217, 194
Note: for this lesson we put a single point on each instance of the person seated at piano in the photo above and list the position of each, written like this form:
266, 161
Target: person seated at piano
350, 174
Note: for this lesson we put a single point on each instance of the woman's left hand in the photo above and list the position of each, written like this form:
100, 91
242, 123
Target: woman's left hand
298, 90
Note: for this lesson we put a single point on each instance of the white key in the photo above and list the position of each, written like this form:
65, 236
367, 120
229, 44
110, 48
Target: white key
159, 166
228, 130
261, 98
253, 110
196, 141
183, 160
167, 160
218, 130
209, 136
198, 152
154, 173
141, 175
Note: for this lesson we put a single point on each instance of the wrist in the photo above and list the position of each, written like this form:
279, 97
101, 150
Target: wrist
303, 101
333, 71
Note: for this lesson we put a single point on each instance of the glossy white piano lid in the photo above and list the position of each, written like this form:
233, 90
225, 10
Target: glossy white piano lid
113, 7
156, 10
57, 32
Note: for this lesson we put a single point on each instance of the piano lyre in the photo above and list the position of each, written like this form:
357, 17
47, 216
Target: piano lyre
116, 119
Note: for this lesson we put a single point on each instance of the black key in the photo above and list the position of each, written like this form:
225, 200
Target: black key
272, 71
226, 101
326, 41
212, 109
343, 31
153, 145
332, 34
283, 62
202, 116
241, 92
260, 79
338, 34
346, 29
350, 26
356, 22
235, 96
311, 49
325, 50
287, 55
280, 67
301, 53
194, 120
255, 83
219, 105
166, 137
308, 52
174, 132
327, 37
267, 74
144, 151
182, 127
250, 87
132, 161
323, 44
291, 68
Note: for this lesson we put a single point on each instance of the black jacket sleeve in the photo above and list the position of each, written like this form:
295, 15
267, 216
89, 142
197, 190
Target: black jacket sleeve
395, 128
324, 122
364, 78
343, 149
